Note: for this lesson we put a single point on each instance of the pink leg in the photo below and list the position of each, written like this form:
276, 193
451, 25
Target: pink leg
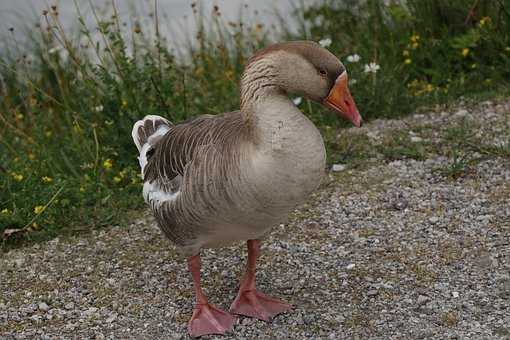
249, 301
206, 319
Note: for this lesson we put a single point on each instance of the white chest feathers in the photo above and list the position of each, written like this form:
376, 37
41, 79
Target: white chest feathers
155, 195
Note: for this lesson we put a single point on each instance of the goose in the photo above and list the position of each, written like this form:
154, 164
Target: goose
219, 179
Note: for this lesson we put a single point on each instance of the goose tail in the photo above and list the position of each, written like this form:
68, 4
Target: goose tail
146, 133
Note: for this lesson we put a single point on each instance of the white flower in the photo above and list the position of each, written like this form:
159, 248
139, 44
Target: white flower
99, 108
297, 101
54, 50
325, 42
353, 58
371, 68
352, 81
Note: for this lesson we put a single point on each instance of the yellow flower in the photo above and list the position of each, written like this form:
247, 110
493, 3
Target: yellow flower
19, 116
483, 21
429, 88
405, 53
415, 45
31, 156
407, 61
107, 164
5, 211
82, 189
507, 48
117, 179
465, 52
17, 177
38, 209
122, 173
77, 129
229, 74
415, 38
124, 103
48, 134
47, 179
473, 66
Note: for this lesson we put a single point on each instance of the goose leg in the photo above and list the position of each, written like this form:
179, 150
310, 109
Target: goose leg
206, 318
249, 301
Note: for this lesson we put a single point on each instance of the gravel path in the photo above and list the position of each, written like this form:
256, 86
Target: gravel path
389, 250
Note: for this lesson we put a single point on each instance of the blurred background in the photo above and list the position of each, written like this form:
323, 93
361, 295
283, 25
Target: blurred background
76, 75
176, 16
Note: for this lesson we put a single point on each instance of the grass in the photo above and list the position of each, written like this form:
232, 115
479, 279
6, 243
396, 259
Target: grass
67, 104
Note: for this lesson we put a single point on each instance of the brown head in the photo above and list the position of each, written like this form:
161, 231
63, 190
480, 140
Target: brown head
307, 69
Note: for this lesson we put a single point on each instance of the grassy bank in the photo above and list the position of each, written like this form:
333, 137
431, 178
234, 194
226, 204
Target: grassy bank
67, 105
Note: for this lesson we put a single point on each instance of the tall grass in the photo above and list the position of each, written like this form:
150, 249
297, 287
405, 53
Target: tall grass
67, 104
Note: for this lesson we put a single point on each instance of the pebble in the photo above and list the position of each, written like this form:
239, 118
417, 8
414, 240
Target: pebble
434, 219
461, 113
111, 318
422, 299
372, 292
43, 307
338, 167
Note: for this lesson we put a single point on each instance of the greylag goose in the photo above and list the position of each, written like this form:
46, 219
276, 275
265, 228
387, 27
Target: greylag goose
218, 179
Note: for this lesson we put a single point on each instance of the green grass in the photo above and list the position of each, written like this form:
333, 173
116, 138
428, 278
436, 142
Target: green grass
67, 105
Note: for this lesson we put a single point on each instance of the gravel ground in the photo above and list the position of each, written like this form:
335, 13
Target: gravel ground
391, 250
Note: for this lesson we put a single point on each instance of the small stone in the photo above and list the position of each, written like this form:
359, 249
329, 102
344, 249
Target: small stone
309, 318
434, 219
299, 320
400, 204
338, 167
247, 321
69, 305
372, 292
422, 299
461, 113
350, 266
36, 318
90, 311
111, 318
416, 139
455, 294
43, 307
483, 218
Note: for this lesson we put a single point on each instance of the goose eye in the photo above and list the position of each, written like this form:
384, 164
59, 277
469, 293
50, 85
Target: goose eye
322, 72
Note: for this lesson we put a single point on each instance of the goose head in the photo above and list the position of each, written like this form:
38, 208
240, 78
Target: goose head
303, 68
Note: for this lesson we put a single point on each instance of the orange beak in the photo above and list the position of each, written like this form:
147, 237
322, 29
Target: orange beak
340, 100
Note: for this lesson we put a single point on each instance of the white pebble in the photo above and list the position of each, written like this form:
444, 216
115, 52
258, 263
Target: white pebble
338, 167
43, 307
